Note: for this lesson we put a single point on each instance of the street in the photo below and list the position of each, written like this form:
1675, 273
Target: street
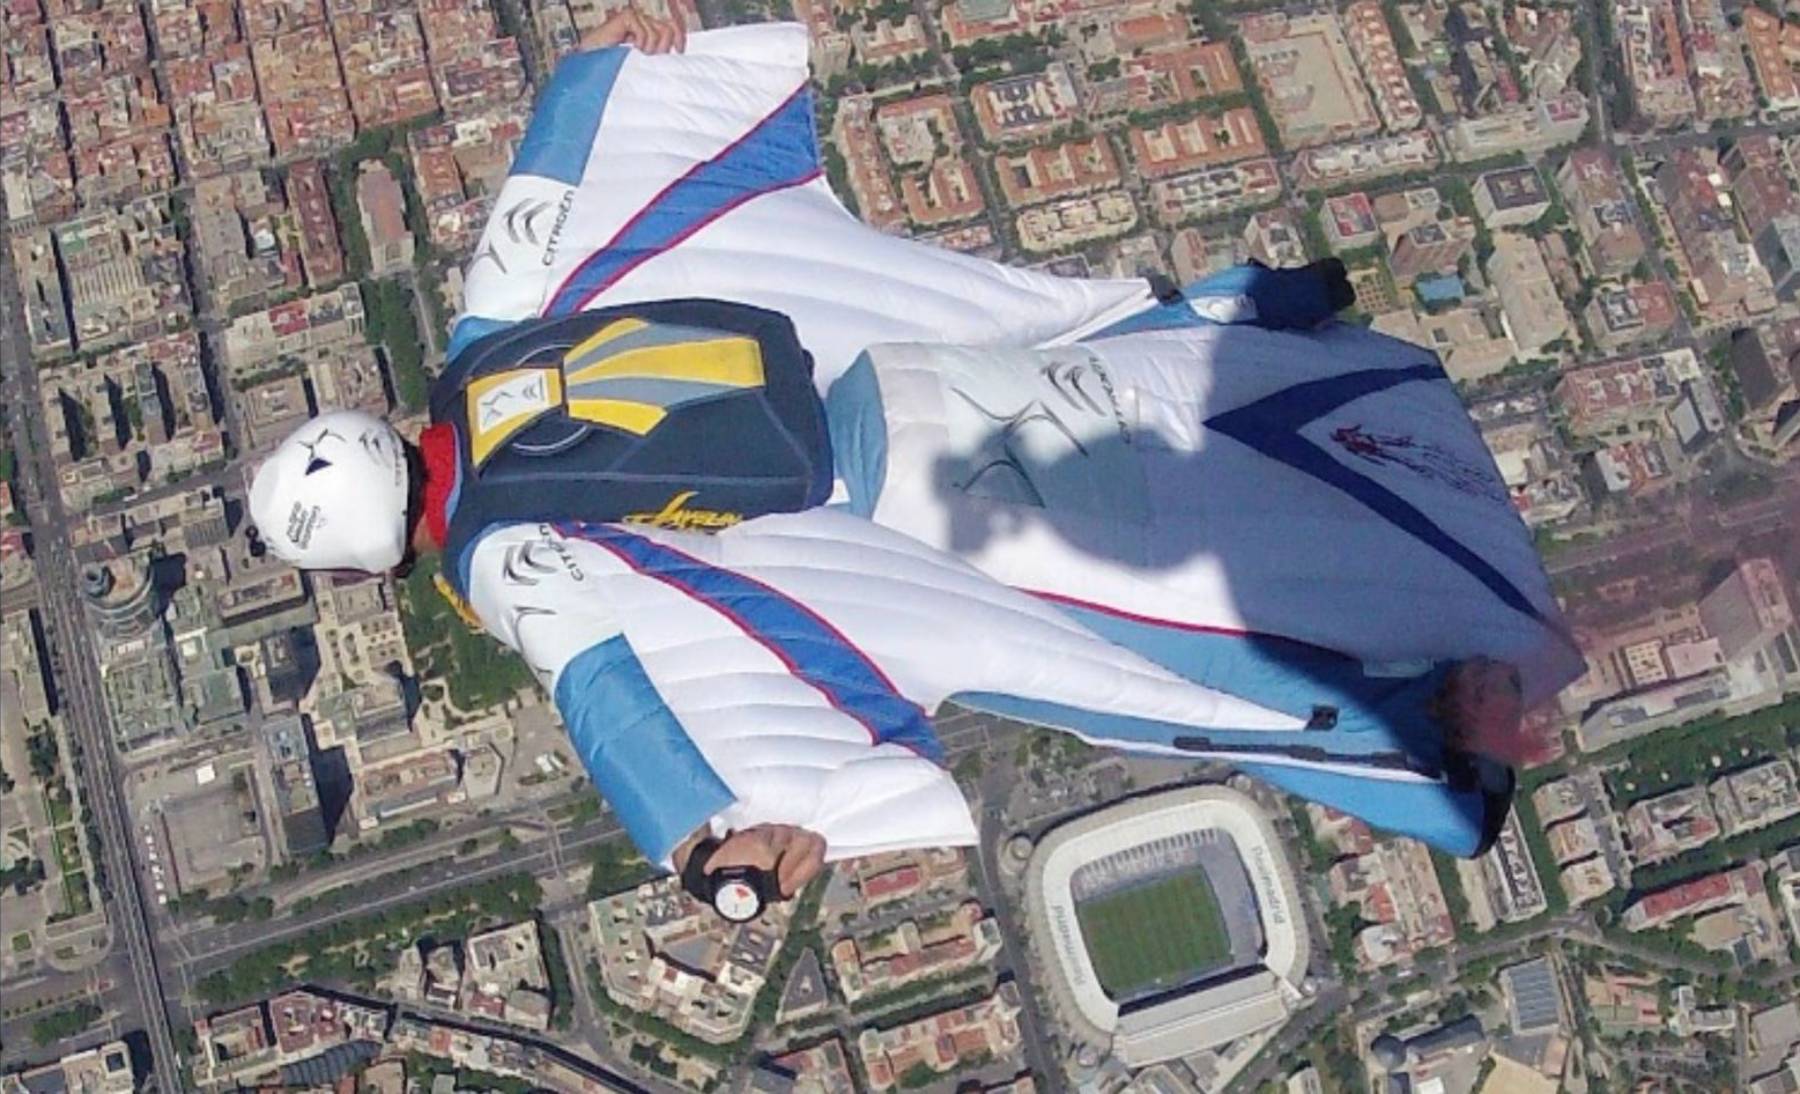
200, 950
1701, 522
996, 786
77, 677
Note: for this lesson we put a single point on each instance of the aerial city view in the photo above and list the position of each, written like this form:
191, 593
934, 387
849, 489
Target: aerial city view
273, 828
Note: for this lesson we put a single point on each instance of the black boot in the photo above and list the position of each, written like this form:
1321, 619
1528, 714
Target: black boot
1336, 279
1163, 287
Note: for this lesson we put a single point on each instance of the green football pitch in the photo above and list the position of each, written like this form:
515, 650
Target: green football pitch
1154, 936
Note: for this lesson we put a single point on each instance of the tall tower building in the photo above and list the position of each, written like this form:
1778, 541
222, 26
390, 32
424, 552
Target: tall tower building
121, 600
297, 805
1748, 609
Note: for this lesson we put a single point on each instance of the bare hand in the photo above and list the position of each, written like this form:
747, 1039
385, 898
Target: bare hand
633, 28
794, 855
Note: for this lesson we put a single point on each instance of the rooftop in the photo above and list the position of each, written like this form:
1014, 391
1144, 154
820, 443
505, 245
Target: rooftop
1514, 187
1533, 996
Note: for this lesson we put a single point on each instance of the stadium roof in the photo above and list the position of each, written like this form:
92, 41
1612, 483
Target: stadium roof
1234, 1009
1214, 1011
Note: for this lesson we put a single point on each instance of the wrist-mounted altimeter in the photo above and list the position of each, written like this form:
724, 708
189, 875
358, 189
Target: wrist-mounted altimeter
738, 893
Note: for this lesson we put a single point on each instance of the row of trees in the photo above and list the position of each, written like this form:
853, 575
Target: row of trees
63, 1024
802, 935
1018, 53
556, 967
1683, 755
390, 318
41, 752
234, 908
1543, 860
9, 469
1716, 856
346, 950
392, 324
477, 671
657, 1029
617, 868
1450, 882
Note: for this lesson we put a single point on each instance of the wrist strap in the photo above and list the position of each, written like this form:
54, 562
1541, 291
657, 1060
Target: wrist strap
694, 878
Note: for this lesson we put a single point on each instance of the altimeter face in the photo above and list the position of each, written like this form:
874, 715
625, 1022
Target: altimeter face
737, 900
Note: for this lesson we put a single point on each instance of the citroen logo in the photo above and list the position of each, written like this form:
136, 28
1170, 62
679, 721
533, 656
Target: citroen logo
519, 560
488, 252
1065, 377
519, 218
1000, 455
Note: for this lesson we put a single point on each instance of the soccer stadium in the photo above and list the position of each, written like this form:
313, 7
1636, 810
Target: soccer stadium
1169, 923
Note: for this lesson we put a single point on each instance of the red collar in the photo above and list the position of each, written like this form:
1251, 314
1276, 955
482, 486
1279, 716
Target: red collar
438, 452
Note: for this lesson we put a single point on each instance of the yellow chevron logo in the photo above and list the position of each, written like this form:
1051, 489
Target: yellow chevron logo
639, 418
611, 332
629, 374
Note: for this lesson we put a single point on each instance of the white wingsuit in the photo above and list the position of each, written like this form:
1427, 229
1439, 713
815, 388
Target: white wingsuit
1179, 536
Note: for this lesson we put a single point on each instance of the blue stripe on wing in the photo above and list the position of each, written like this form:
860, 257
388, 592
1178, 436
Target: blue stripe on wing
778, 152
567, 117
809, 646
635, 750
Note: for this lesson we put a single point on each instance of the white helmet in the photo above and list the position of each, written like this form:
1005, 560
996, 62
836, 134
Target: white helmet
332, 496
